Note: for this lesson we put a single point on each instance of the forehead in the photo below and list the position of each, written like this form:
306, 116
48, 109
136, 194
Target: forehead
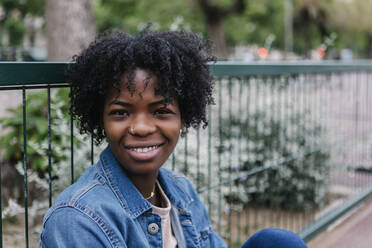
139, 83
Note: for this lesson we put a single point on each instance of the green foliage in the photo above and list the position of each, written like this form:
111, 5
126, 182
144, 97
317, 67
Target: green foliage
261, 19
299, 176
33, 7
16, 30
131, 16
11, 143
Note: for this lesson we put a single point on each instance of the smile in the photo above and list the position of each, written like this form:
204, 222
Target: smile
144, 149
143, 152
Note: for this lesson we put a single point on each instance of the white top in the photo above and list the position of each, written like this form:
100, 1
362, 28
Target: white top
169, 240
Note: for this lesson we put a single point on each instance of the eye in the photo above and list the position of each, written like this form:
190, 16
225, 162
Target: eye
163, 111
118, 112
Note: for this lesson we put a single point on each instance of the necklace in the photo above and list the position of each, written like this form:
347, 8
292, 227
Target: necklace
151, 195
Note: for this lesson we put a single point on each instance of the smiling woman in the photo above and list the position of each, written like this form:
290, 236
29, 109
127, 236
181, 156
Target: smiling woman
139, 94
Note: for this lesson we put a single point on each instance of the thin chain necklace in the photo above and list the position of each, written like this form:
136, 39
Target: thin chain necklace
152, 194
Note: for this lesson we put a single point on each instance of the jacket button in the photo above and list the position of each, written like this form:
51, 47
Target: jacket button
153, 228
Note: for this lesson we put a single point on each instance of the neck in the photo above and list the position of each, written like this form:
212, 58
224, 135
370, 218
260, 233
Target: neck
145, 183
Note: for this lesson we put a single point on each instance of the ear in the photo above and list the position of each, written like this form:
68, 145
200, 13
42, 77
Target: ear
183, 129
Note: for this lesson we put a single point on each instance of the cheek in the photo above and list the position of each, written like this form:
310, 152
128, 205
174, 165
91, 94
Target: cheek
113, 131
174, 131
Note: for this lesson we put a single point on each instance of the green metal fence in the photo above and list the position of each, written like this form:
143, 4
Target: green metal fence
288, 145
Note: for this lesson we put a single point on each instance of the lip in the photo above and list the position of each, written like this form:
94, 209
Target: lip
142, 144
143, 156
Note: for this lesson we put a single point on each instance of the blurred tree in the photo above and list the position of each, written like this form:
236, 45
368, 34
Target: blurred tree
357, 24
132, 15
214, 15
260, 20
13, 14
311, 22
70, 27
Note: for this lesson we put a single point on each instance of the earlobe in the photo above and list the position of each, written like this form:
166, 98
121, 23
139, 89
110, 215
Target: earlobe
183, 129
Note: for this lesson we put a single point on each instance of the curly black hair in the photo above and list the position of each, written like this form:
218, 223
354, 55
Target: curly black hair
178, 58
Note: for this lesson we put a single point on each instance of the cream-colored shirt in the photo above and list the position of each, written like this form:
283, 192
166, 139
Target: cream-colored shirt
169, 240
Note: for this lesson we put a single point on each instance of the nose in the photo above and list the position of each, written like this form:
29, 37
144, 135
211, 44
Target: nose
142, 126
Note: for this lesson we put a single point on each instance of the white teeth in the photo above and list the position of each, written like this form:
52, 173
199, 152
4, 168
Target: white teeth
144, 149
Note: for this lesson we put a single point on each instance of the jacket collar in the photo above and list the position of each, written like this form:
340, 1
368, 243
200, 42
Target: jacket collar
130, 198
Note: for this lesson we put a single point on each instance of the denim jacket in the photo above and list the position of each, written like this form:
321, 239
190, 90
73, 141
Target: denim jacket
104, 209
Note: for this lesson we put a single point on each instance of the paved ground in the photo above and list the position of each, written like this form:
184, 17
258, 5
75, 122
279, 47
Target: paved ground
352, 231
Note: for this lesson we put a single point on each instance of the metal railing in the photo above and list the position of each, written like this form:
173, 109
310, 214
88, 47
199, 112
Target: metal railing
288, 145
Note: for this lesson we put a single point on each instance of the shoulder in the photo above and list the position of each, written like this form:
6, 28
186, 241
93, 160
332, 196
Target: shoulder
177, 178
71, 226
90, 190
181, 190
77, 211
90, 180
179, 182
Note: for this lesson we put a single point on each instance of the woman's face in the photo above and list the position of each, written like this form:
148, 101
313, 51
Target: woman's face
142, 131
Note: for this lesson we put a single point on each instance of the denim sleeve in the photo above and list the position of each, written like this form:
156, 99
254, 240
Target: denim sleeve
69, 227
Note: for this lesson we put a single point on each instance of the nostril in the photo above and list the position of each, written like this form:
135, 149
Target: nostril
142, 129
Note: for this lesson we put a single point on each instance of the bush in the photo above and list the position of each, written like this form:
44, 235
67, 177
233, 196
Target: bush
11, 142
265, 129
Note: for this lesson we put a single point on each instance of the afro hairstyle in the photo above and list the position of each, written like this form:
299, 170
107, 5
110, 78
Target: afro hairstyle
178, 58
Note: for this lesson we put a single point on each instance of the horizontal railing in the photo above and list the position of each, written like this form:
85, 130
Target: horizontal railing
288, 146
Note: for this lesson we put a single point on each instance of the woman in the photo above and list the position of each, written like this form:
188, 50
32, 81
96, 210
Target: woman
139, 93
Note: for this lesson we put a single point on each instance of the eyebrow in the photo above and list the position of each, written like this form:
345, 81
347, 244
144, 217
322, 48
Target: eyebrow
125, 104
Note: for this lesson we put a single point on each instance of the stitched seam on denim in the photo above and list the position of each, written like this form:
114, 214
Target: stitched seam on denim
83, 191
114, 240
99, 172
109, 234
114, 186
179, 184
53, 209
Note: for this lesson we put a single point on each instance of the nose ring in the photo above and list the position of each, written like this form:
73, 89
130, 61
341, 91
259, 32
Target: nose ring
131, 131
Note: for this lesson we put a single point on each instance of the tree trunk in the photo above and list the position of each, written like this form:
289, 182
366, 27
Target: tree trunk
369, 45
308, 40
70, 27
216, 33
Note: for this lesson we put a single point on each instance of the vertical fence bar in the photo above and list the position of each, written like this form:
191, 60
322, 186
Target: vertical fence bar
296, 78
276, 118
72, 142
265, 158
25, 163
256, 125
230, 160
173, 161
209, 159
239, 153
288, 141
49, 150
92, 149
248, 119
1, 207
219, 152
272, 146
186, 166
197, 159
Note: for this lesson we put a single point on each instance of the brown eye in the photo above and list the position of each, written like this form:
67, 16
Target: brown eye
119, 112
163, 111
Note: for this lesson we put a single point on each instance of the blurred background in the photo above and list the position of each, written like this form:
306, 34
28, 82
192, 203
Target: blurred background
289, 142
243, 30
